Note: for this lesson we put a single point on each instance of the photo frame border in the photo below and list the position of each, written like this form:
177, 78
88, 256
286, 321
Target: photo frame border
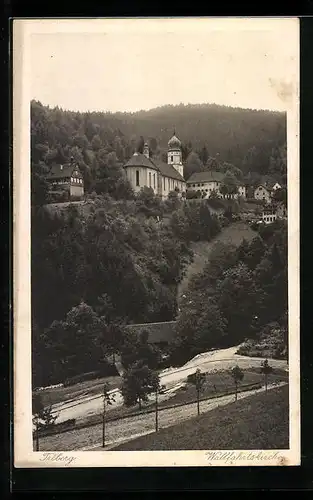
230, 471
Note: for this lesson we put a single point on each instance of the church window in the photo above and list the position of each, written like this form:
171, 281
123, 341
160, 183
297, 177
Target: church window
172, 158
150, 179
137, 178
164, 183
154, 181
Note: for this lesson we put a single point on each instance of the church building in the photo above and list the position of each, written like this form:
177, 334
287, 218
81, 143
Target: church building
144, 171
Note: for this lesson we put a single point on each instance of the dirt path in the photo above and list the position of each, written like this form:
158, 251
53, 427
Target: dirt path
220, 359
124, 430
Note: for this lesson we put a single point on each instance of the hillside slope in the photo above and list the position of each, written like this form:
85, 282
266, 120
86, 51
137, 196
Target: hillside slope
260, 421
232, 235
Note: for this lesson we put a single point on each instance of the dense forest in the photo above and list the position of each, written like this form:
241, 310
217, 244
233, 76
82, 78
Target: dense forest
249, 142
119, 261
241, 294
118, 258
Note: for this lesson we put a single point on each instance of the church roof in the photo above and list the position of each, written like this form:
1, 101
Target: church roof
174, 143
168, 170
140, 160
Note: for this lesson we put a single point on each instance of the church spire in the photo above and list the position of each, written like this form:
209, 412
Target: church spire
146, 150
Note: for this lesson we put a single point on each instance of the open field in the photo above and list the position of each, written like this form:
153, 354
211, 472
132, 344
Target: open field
260, 421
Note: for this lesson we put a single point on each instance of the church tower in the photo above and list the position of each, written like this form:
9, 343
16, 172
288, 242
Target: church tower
146, 151
174, 154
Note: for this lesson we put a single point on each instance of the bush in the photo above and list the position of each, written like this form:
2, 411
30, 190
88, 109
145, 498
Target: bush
62, 426
271, 343
192, 378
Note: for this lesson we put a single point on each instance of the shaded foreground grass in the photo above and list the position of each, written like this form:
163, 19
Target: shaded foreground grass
260, 421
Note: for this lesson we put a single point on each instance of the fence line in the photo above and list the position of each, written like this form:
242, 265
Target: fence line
147, 411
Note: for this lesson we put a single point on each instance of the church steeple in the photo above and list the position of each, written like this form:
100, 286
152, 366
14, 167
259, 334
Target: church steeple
146, 151
174, 154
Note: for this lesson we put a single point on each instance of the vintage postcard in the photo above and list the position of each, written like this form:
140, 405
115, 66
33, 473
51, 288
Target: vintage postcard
156, 242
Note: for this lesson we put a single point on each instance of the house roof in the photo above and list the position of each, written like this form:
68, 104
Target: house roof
157, 332
270, 208
140, 160
210, 176
268, 181
263, 186
61, 171
168, 170
207, 176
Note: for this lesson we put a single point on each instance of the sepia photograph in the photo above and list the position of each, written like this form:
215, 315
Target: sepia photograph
156, 229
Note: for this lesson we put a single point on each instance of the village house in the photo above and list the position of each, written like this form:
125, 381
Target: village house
262, 193
268, 187
160, 334
210, 182
66, 181
145, 171
269, 214
275, 187
273, 212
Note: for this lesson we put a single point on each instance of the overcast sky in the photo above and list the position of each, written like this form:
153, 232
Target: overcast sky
127, 65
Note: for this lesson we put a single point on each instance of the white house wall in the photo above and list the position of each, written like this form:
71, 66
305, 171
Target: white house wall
76, 190
205, 186
261, 193
209, 187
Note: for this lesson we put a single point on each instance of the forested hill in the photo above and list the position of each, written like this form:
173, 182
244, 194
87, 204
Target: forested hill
251, 140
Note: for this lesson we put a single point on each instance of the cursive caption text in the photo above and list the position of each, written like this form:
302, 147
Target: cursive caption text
60, 457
